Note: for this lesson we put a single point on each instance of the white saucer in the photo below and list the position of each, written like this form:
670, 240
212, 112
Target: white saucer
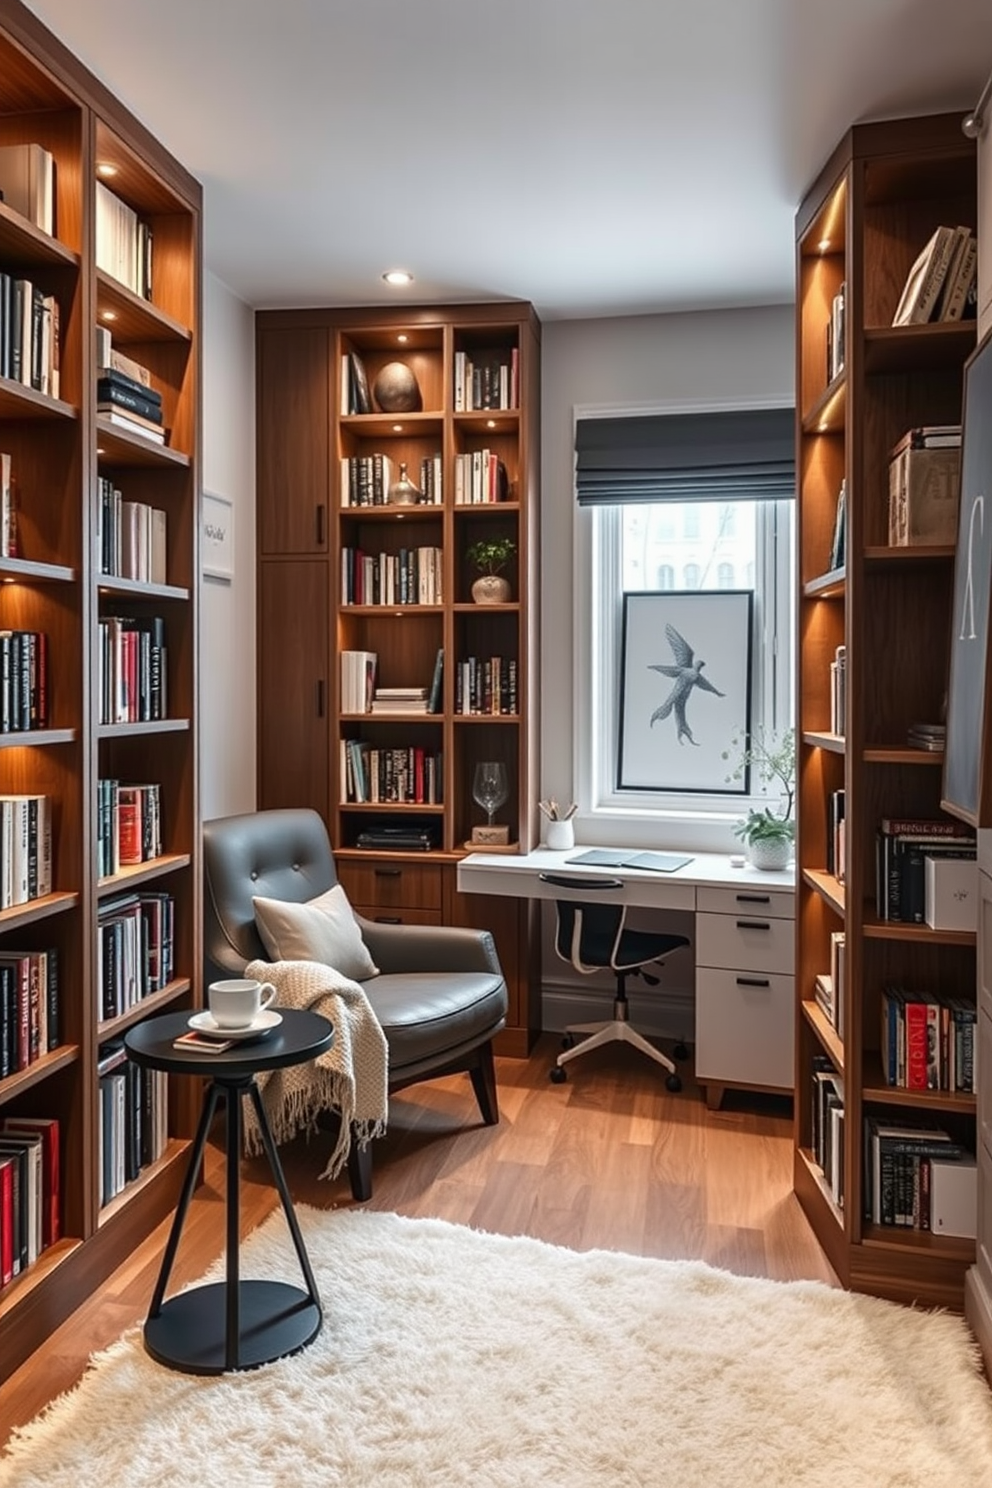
265, 1022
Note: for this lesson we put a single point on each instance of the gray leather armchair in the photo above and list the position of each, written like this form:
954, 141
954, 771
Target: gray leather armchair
440, 996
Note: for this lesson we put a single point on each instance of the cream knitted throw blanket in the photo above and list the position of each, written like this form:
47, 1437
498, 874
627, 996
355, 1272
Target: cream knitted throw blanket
349, 1077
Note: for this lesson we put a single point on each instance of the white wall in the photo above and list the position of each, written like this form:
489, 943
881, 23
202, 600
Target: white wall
627, 363
227, 612
622, 364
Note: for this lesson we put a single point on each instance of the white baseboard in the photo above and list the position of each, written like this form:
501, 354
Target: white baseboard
668, 1016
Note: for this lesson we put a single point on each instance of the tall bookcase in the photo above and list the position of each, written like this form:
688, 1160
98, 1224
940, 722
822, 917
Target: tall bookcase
879, 198
320, 511
61, 450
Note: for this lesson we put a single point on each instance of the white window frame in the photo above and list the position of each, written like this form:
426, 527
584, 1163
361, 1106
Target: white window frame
606, 814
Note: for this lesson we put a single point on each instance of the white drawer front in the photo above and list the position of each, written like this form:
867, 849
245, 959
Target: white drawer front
751, 899
745, 942
744, 1029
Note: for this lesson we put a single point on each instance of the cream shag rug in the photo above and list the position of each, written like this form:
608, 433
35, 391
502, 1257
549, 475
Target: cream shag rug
454, 1357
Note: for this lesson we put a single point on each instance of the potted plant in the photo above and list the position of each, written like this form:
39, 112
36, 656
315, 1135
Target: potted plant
490, 557
768, 835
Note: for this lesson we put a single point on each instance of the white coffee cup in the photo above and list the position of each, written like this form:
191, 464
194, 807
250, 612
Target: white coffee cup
238, 1002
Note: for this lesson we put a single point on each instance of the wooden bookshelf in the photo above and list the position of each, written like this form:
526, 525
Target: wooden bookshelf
309, 443
59, 449
876, 202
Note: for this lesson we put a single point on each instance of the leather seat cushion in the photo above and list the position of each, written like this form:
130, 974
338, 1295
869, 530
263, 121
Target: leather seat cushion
424, 1014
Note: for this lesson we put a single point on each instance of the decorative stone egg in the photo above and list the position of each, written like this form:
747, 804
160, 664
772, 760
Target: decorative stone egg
395, 389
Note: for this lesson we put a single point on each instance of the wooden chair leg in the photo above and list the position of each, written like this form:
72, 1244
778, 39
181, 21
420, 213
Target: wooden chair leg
483, 1074
360, 1170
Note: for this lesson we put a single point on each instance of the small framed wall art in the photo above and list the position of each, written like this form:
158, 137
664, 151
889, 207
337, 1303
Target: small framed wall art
217, 537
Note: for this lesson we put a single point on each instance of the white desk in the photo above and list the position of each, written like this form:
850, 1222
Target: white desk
744, 943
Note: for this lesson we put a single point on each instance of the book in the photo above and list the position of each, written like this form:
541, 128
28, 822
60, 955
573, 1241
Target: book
434, 696
27, 183
194, 1042
654, 862
956, 296
959, 247
132, 422
924, 280
361, 398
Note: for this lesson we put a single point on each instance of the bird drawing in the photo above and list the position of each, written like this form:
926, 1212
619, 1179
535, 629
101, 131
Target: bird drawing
688, 674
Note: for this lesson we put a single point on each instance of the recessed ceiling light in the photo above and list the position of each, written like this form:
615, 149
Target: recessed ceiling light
402, 336
397, 428
397, 276
104, 168
823, 244
108, 314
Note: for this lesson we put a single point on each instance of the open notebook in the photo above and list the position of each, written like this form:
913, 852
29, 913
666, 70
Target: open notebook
600, 857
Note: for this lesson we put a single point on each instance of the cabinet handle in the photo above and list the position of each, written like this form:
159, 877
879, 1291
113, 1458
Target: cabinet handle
753, 982
320, 698
388, 920
753, 898
320, 524
753, 925
387, 873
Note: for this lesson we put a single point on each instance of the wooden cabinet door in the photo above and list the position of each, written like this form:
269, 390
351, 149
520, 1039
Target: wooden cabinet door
293, 413
293, 676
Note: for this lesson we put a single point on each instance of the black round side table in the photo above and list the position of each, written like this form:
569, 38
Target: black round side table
232, 1324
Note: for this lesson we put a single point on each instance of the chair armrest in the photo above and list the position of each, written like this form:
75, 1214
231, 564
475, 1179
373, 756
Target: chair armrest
399, 948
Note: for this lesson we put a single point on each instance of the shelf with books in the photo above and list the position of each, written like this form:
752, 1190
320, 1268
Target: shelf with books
23, 243
825, 1032
130, 318
20, 402
324, 516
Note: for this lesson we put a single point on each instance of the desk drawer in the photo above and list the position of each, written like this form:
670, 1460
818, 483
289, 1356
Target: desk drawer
749, 899
744, 1029
745, 942
392, 885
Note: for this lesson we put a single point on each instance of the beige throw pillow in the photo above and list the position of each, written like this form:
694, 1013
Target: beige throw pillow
324, 929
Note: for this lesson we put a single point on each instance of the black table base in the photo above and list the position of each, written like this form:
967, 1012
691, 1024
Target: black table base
231, 1324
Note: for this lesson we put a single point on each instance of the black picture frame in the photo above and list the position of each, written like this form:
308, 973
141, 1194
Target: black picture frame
683, 740
967, 777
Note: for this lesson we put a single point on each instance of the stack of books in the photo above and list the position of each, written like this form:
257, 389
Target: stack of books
400, 700
902, 847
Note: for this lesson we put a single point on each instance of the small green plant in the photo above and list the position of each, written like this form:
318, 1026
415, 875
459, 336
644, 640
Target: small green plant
491, 556
772, 760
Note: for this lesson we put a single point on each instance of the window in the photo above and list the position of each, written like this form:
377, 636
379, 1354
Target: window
746, 542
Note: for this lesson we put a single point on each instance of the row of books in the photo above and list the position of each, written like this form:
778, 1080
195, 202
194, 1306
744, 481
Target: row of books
898, 1171
366, 480
836, 834
828, 986
838, 692
10, 542
132, 1123
358, 674
411, 576
30, 1187
902, 847
128, 825
29, 1008
29, 335
135, 944
23, 680
480, 478
837, 334
410, 776
928, 1040
132, 669
487, 380
123, 242
27, 183
486, 685
941, 283
827, 1118
25, 849
131, 536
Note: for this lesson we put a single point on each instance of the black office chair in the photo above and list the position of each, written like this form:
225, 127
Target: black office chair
591, 937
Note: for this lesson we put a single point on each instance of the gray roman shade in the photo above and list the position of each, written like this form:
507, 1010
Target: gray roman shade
735, 455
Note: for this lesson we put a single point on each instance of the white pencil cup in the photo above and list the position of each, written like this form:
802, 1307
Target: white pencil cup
560, 835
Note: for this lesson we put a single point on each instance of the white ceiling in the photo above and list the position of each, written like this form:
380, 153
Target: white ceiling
596, 158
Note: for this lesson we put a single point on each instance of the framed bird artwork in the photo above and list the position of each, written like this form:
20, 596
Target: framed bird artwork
685, 690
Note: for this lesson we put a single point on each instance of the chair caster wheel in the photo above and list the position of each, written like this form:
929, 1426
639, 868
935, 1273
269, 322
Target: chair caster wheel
680, 1051
567, 1041
674, 1084
557, 1075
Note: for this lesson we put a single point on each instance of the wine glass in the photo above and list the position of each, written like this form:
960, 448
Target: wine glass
490, 788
